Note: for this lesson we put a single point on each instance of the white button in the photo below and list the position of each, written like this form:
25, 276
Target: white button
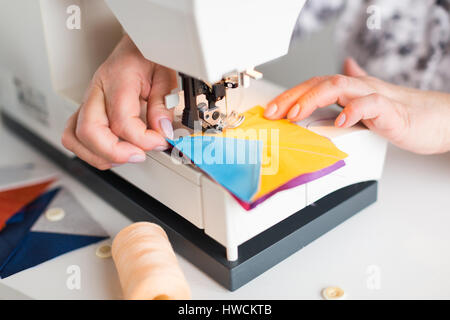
103, 251
55, 214
333, 293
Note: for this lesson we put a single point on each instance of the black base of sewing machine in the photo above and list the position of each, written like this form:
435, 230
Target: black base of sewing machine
256, 256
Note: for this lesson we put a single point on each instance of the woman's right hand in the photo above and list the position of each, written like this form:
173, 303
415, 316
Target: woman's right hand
415, 120
107, 130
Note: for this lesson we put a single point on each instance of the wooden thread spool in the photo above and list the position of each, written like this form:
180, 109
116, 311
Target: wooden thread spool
147, 266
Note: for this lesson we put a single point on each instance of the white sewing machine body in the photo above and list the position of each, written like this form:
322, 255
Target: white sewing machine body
43, 87
208, 206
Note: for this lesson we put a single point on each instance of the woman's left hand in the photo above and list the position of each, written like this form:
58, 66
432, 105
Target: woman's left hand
415, 120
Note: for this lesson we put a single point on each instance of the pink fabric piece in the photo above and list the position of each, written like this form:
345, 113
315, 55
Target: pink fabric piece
303, 179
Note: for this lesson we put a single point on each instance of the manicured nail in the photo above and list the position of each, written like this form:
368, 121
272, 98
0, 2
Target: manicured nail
137, 158
271, 110
341, 120
166, 127
295, 111
160, 148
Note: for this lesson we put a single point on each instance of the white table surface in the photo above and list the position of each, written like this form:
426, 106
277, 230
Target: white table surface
397, 248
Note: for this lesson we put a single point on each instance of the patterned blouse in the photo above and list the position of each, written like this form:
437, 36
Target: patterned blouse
402, 41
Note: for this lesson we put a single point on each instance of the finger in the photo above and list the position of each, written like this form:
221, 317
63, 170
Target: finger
93, 132
336, 89
71, 143
378, 112
159, 117
124, 113
280, 106
353, 69
396, 93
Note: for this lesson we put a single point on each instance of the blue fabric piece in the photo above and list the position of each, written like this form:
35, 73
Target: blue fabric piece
39, 247
233, 163
13, 235
18, 217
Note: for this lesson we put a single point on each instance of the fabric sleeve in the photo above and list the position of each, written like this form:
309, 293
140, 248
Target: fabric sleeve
316, 14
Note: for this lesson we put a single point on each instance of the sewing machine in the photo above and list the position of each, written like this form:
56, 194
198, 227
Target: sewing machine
215, 46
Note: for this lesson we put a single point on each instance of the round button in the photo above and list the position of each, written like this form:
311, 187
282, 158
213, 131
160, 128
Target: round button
55, 214
103, 251
333, 293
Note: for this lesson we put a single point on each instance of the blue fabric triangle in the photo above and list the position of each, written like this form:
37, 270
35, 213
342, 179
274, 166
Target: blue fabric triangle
18, 217
13, 235
39, 247
233, 163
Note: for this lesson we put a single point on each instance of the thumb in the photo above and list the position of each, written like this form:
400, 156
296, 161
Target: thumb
158, 116
353, 69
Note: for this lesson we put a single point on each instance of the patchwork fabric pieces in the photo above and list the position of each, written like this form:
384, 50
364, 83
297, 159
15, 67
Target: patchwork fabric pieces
35, 239
76, 221
12, 237
11, 201
291, 155
292, 184
38, 247
234, 163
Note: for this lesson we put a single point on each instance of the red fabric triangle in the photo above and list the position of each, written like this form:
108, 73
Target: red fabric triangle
11, 201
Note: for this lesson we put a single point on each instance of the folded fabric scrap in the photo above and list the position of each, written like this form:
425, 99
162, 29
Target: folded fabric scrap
261, 157
30, 238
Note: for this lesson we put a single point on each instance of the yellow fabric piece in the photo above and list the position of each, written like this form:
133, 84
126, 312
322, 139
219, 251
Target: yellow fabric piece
289, 150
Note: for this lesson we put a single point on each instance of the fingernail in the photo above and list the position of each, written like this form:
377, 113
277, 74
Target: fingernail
137, 158
166, 127
160, 148
293, 114
341, 120
271, 110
